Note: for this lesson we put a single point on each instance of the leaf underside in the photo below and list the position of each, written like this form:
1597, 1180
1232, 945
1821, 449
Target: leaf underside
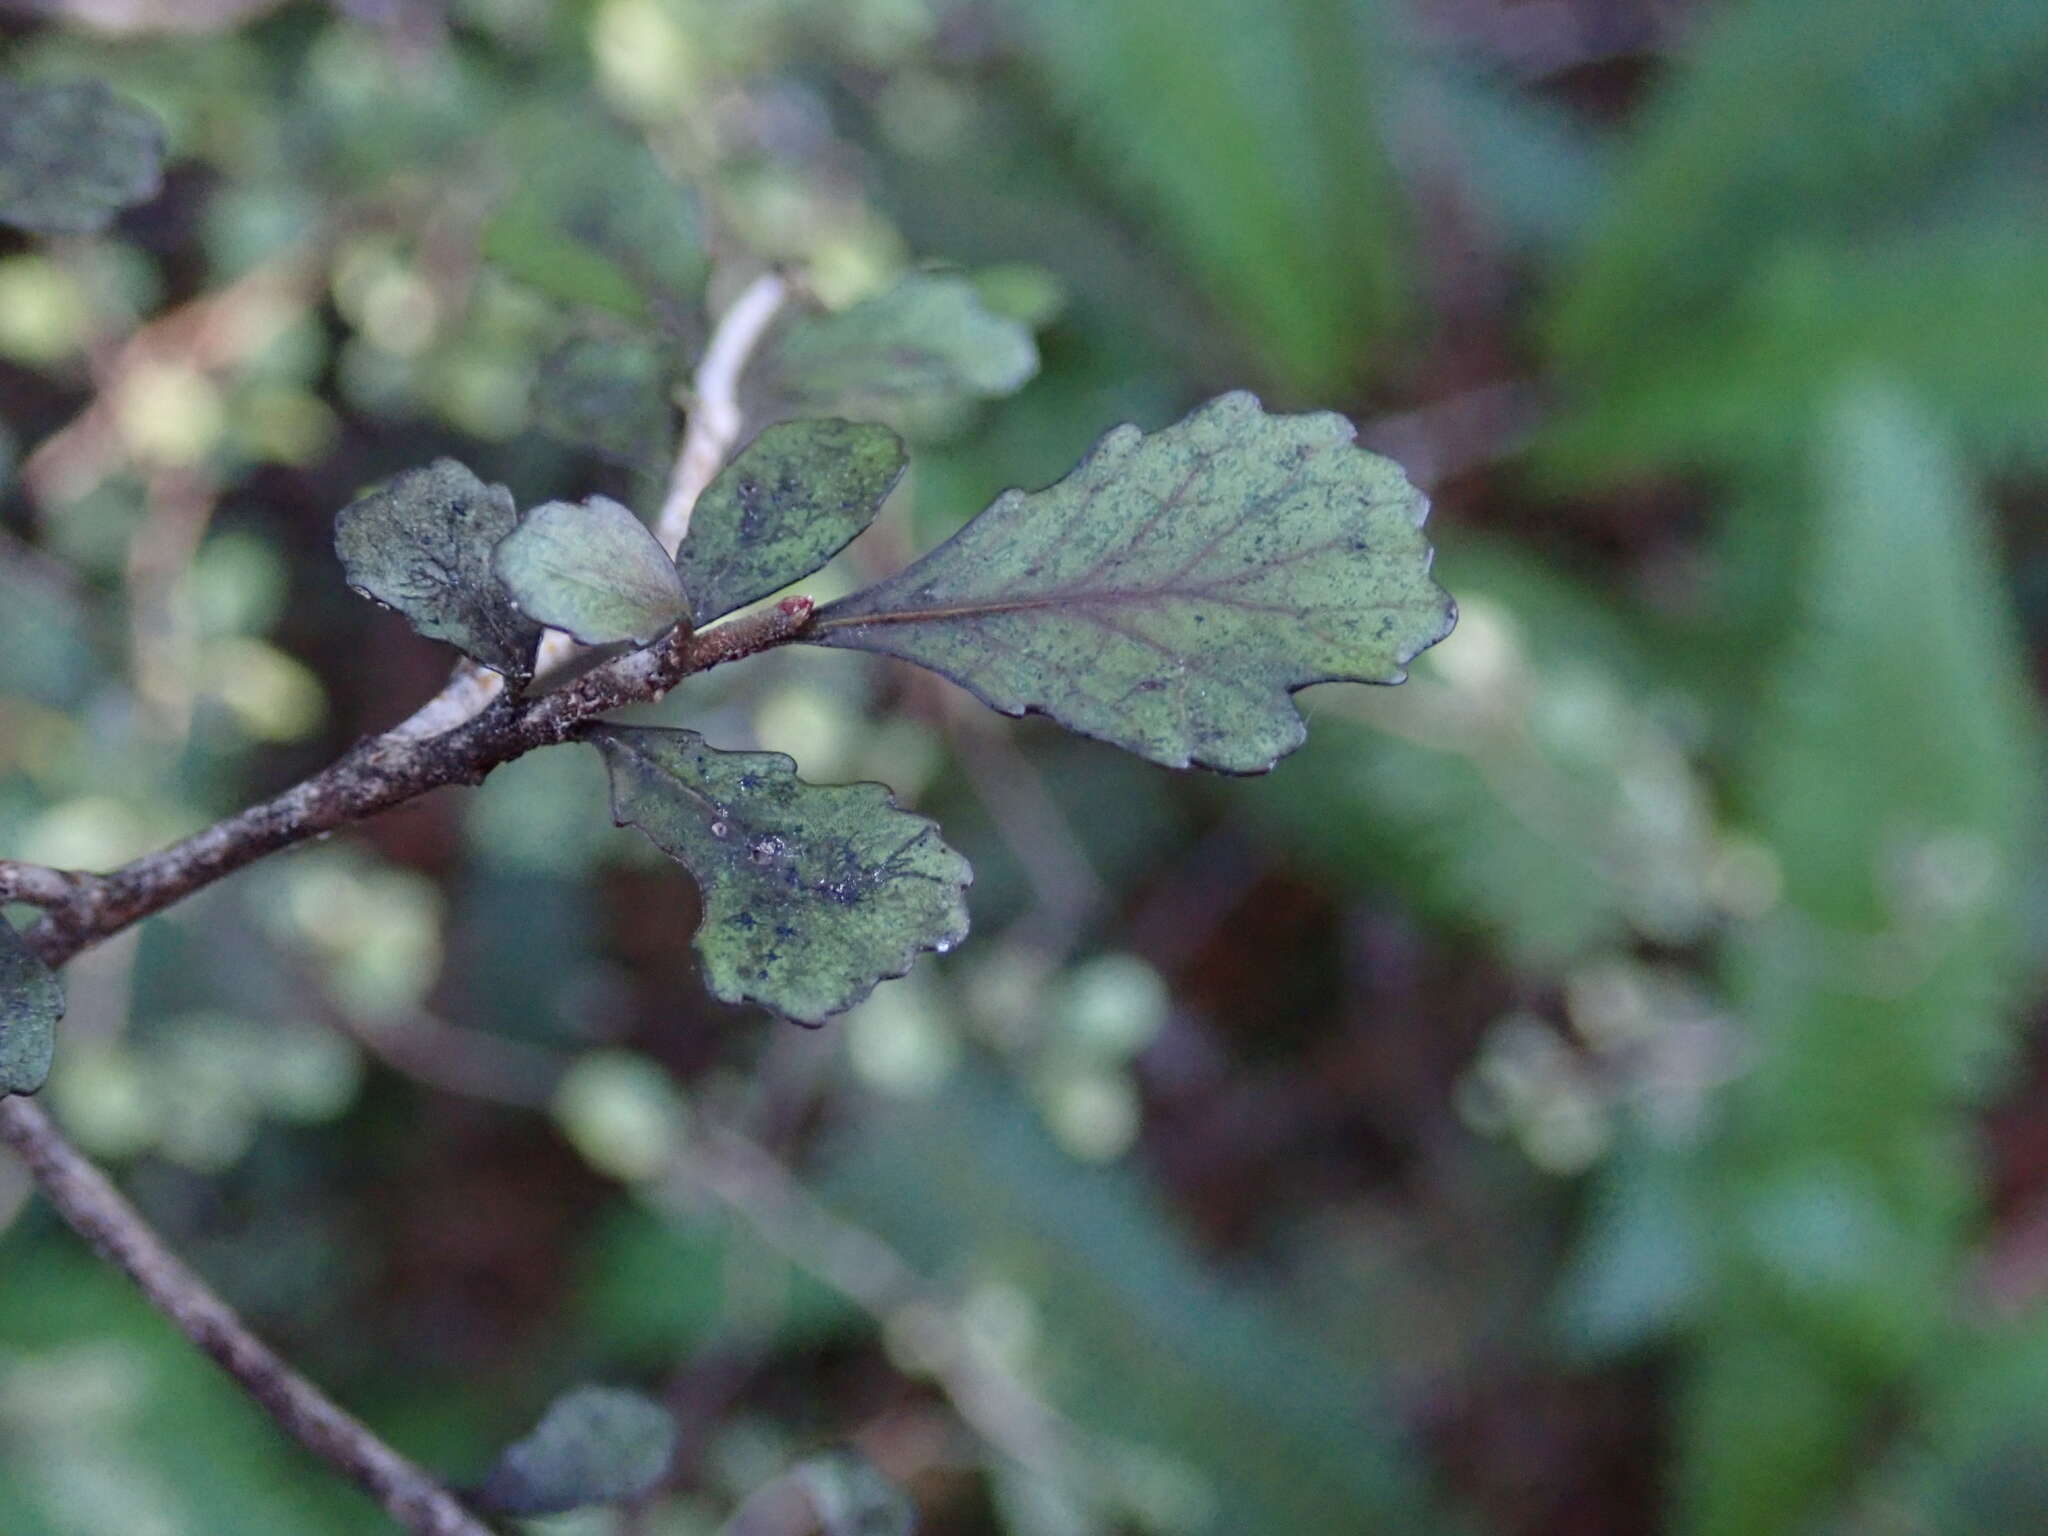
595, 1445
812, 893
594, 570
1173, 592
72, 155
796, 496
31, 1003
919, 358
423, 546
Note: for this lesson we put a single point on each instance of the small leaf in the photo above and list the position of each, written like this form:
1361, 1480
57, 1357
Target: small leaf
72, 155
423, 545
797, 495
917, 358
811, 894
594, 570
851, 1497
595, 1445
1172, 592
31, 1003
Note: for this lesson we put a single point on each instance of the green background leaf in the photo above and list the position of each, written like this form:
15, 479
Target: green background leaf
812, 893
918, 357
797, 495
1172, 592
72, 155
595, 1445
423, 545
1896, 778
594, 220
594, 570
31, 1003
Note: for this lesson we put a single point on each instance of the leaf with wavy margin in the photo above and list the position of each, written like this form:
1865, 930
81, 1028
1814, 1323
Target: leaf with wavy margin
1172, 592
812, 893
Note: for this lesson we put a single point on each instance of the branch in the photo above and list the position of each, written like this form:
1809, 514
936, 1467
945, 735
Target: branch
99, 1213
385, 771
37, 885
708, 440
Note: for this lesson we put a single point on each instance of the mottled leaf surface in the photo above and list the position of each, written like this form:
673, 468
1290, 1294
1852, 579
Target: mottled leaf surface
72, 155
423, 545
812, 894
31, 1003
595, 570
796, 496
918, 357
595, 1445
1172, 592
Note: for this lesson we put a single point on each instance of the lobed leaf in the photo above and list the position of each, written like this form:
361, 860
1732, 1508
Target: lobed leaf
31, 1003
798, 494
917, 358
595, 1445
594, 570
1172, 592
73, 154
812, 894
423, 545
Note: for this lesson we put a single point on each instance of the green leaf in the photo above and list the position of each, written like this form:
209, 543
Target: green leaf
1172, 592
1272, 1423
594, 570
1255, 154
595, 1445
423, 545
72, 155
917, 358
1895, 777
31, 1003
811, 894
796, 496
594, 220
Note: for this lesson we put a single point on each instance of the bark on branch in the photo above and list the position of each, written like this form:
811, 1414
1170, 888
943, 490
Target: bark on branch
101, 1214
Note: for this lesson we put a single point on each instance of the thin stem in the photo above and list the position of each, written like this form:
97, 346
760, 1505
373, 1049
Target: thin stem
458, 737
383, 772
715, 418
98, 1212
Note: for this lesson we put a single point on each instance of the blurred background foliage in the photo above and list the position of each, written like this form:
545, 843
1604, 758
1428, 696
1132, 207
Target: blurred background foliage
1597, 1087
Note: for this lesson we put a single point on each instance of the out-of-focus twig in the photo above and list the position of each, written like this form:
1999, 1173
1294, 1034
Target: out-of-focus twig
715, 418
